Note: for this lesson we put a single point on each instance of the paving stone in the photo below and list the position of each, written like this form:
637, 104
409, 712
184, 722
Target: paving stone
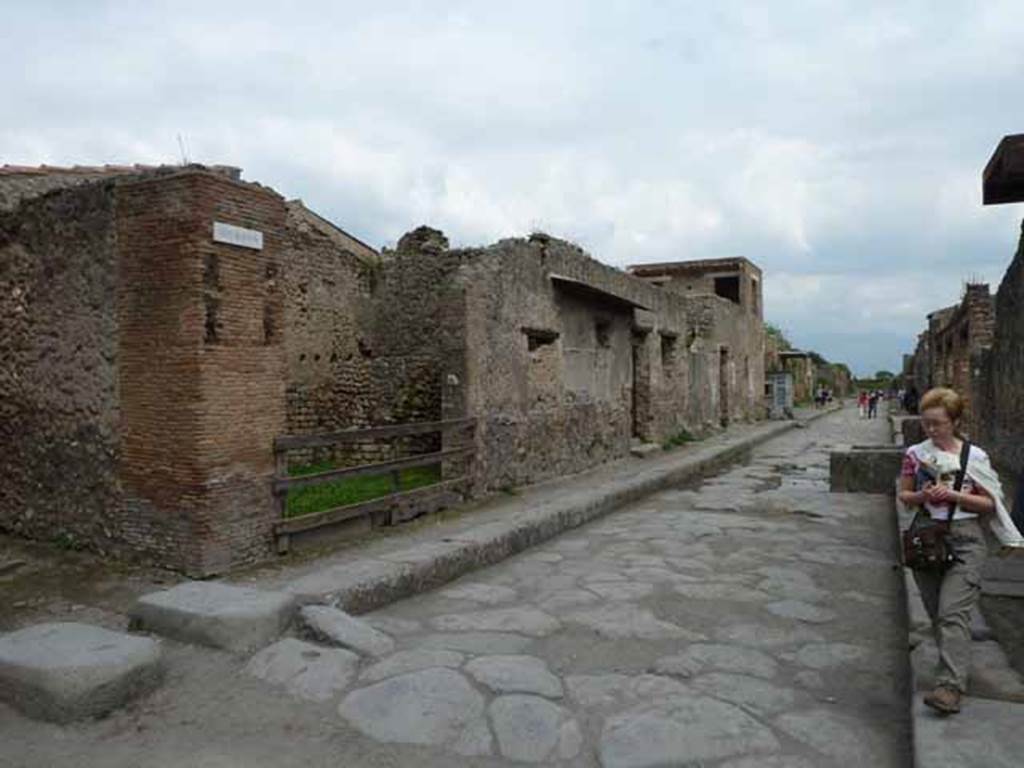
632, 590
719, 591
480, 593
515, 674
841, 738
567, 598
681, 731
215, 614
534, 730
529, 621
753, 694
411, 661
392, 625
308, 671
65, 671
809, 679
699, 657
764, 636
826, 655
477, 642
436, 707
334, 626
624, 620
612, 691
801, 611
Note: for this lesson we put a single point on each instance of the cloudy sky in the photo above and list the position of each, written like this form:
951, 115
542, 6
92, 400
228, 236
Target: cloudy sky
839, 145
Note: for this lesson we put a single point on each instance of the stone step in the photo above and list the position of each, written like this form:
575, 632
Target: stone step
212, 613
66, 671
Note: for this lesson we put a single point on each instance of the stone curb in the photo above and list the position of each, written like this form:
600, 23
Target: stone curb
364, 585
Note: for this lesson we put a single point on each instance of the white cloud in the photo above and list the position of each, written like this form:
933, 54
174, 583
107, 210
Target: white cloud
836, 143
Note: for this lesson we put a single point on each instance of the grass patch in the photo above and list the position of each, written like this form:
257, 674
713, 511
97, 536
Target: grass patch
352, 490
682, 437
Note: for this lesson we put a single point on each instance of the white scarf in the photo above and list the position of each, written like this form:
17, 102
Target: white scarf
980, 470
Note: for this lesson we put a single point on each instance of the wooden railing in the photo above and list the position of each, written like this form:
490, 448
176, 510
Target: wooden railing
382, 506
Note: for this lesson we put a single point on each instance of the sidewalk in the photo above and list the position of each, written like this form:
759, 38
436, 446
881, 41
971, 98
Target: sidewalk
987, 733
362, 578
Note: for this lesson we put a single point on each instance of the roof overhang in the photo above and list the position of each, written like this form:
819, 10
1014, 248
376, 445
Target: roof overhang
1003, 177
592, 293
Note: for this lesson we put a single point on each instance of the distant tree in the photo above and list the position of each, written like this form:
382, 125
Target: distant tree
817, 358
885, 375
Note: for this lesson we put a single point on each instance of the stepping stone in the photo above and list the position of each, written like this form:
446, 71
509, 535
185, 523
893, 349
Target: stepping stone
533, 730
411, 661
308, 671
333, 626
435, 707
67, 671
515, 674
215, 614
691, 729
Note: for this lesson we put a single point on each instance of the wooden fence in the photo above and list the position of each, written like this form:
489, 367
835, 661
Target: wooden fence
381, 508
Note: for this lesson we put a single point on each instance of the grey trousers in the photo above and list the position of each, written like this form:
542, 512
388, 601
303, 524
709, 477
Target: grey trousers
949, 599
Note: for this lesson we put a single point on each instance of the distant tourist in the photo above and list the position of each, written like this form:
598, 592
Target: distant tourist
873, 403
862, 403
928, 482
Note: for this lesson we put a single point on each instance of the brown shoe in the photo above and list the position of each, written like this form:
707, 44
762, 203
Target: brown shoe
944, 700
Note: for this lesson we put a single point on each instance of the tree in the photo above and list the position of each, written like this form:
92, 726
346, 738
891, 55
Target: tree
885, 375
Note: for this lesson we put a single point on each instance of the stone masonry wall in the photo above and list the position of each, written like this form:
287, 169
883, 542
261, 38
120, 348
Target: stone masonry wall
1001, 414
59, 424
552, 367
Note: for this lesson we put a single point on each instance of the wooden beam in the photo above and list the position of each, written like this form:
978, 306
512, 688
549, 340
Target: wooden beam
292, 442
285, 483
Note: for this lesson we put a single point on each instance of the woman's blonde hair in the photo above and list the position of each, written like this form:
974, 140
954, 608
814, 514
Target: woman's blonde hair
943, 397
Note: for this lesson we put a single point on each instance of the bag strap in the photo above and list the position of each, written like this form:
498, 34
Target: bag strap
965, 451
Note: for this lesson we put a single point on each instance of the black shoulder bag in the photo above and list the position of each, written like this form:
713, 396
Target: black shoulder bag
924, 543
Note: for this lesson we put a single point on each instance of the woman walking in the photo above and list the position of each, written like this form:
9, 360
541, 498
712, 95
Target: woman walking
862, 403
928, 477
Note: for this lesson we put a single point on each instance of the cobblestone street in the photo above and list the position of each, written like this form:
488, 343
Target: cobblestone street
754, 620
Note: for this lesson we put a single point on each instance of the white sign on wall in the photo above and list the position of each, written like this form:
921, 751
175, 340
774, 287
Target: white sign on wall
240, 236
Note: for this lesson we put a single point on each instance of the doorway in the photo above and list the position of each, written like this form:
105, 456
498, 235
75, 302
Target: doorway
723, 386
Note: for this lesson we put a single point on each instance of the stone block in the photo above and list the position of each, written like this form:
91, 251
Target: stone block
66, 671
331, 625
865, 469
216, 614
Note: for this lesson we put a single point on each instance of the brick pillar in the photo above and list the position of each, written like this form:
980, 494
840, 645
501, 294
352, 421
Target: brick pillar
201, 374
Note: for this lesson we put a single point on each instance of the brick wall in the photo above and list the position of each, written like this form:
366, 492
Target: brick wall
201, 378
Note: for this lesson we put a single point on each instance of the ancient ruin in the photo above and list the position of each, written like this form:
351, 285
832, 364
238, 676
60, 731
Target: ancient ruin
976, 346
168, 327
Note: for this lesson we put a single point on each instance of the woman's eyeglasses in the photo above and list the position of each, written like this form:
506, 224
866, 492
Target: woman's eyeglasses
935, 423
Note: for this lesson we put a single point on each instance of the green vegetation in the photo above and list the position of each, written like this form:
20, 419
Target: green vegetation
679, 438
777, 333
352, 490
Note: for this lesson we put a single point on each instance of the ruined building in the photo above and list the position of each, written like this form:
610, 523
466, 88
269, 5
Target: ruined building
977, 346
164, 327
